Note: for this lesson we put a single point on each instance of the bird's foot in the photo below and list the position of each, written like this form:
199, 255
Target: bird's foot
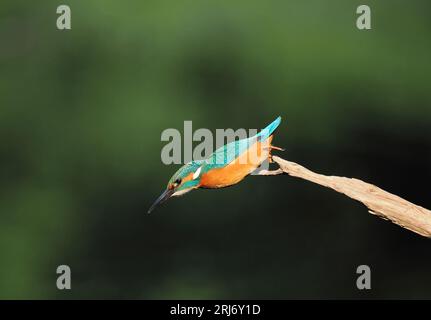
276, 148
270, 148
273, 148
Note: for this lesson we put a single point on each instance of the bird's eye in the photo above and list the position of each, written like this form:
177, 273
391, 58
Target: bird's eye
177, 182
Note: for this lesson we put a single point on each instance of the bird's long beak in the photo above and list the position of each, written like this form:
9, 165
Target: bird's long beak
163, 197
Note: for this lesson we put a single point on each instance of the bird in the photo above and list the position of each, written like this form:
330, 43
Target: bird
225, 167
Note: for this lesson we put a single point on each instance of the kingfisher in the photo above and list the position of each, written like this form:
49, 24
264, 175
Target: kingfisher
225, 167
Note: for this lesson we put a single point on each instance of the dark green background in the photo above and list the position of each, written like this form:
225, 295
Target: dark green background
82, 111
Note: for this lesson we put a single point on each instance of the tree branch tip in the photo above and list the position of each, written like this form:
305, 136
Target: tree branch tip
379, 202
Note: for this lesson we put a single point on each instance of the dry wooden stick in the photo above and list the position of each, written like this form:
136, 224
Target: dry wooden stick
379, 202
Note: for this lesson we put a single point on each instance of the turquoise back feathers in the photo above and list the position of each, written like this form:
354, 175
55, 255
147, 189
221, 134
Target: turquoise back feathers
229, 152
266, 132
226, 154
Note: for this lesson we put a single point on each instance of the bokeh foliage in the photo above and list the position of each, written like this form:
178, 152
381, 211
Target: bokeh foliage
81, 113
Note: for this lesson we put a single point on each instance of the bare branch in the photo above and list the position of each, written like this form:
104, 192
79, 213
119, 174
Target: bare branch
269, 172
379, 202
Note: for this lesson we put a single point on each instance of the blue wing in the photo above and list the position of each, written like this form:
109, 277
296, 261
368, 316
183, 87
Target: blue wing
229, 152
266, 132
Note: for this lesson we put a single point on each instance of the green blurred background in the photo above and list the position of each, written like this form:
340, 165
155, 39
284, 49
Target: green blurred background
82, 111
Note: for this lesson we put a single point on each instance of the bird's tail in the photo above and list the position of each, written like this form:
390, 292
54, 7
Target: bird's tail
266, 132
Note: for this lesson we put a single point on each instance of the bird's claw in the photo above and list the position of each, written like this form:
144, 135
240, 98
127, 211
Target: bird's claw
270, 148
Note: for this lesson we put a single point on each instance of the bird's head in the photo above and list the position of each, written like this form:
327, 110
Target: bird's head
184, 180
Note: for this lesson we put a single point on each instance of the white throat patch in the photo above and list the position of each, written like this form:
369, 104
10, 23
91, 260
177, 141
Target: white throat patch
181, 192
197, 173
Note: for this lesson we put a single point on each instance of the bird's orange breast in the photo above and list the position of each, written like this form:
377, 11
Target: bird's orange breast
238, 169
